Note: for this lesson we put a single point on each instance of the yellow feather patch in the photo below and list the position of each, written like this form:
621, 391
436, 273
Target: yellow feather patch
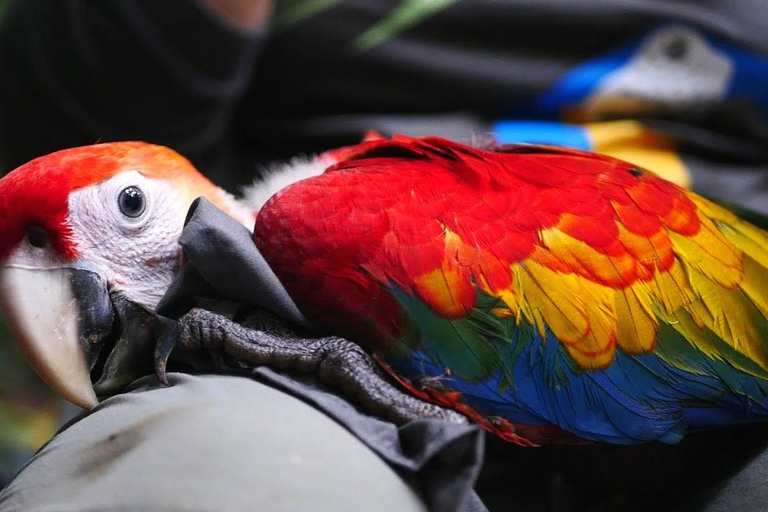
637, 326
439, 290
755, 284
713, 211
712, 287
448, 289
671, 289
710, 253
652, 252
516, 304
754, 243
700, 339
748, 238
683, 323
579, 312
731, 316
592, 361
617, 271
596, 349
549, 297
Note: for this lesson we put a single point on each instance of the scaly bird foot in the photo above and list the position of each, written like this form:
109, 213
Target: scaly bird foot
265, 340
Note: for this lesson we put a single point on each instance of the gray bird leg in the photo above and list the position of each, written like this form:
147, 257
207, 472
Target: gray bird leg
264, 340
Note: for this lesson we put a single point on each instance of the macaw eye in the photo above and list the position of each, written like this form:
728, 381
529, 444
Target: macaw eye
676, 49
37, 236
131, 202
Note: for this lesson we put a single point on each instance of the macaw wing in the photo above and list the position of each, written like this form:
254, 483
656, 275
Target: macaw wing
546, 286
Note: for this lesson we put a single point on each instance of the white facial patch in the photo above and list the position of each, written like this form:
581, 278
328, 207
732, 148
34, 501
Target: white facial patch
674, 66
28, 256
138, 256
280, 176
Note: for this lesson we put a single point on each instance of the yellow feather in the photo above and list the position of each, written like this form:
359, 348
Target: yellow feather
438, 289
637, 326
586, 261
683, 323
596, 349
713, 210
710, 253
670, 289
589, 361
755, 284
551, 300
753, 241
649, 250
731, 315
700, 338
579, 312
715, 292
514, 301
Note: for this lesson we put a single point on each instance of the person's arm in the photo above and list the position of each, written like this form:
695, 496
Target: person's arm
245, 14
207, 442
73, 73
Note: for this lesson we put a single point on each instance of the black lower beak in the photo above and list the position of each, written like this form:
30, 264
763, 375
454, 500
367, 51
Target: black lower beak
95, 312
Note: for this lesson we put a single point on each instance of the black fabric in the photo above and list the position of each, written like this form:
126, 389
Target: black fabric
483, 58
440, 459
222, 253
705, 472
74, 72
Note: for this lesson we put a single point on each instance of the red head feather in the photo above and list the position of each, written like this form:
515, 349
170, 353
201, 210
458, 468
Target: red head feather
37, 193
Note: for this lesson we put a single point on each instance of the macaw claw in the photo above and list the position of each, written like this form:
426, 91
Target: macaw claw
265, 340
170, 331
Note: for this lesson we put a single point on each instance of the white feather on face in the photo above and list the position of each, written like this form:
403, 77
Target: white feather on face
137, 256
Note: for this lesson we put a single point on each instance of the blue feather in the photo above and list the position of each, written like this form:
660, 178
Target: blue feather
636, 399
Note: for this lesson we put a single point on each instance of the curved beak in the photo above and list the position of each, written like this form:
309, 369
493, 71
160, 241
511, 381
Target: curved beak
59, 317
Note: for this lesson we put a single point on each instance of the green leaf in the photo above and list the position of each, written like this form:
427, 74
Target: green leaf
403, 17
299, 10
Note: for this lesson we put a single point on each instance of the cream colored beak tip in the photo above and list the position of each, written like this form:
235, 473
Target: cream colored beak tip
42, 316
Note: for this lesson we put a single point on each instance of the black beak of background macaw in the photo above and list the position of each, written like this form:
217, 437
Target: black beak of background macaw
72, 330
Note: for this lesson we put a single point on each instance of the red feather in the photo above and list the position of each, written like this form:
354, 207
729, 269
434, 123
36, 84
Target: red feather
380, 216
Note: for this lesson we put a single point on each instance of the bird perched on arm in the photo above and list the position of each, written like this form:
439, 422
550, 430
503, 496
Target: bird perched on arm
548, 294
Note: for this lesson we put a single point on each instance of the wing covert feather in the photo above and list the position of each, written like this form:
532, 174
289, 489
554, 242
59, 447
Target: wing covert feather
610, 269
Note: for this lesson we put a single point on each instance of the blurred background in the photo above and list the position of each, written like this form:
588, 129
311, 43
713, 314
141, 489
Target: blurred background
28, 411
677, 87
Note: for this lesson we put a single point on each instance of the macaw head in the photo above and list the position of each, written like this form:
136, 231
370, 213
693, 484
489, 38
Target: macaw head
80, 227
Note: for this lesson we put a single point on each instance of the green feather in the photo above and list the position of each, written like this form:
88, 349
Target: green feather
676, 350
474, 347
469, 347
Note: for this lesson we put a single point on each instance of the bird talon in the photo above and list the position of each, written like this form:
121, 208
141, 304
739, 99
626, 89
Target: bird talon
171, 331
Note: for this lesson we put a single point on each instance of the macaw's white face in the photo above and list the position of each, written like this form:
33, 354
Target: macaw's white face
79, 228
127, 228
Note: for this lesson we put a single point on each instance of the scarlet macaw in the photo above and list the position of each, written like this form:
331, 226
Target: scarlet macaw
548, 294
